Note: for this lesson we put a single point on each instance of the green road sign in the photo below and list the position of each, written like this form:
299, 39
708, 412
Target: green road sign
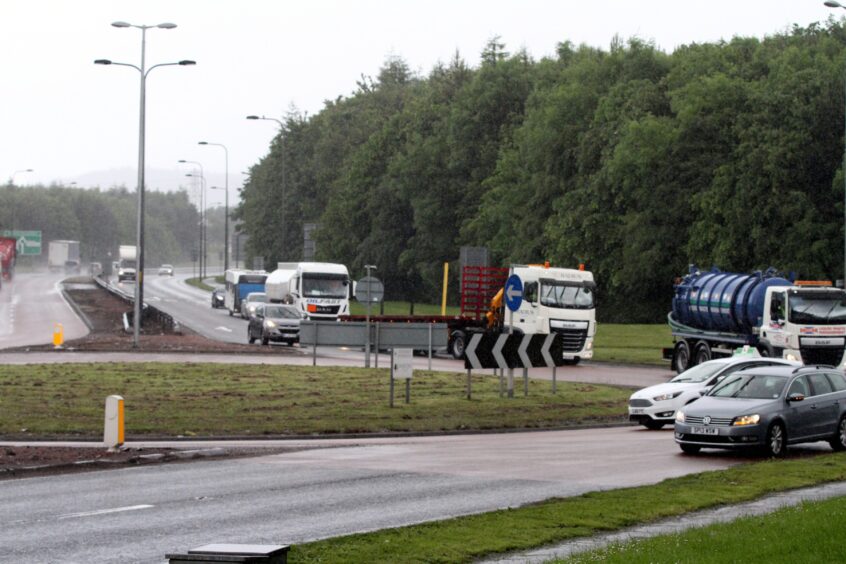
29, 242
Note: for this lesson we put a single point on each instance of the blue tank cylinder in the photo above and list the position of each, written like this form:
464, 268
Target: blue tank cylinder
723, 301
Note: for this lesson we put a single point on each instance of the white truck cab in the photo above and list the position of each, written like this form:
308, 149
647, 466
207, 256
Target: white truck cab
320, 290
805, 322
559, 300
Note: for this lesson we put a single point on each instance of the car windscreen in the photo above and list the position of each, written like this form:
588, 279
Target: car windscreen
750, 386
317, 285
281, 312
817, 308
699, 373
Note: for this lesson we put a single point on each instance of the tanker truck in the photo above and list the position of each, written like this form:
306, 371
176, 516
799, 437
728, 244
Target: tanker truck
714, 313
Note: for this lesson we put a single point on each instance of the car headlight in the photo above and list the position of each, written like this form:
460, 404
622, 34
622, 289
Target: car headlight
746, 420
269, 324
680, 416
665, 397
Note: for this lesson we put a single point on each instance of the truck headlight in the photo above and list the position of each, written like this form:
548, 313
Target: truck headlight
665, 397
793, 357
746, 420
680, 416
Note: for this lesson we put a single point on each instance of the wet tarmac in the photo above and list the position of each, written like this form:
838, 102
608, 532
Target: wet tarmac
723, 514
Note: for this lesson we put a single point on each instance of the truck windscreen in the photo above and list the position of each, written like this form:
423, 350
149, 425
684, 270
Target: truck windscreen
566, 295
325, 286
817, 308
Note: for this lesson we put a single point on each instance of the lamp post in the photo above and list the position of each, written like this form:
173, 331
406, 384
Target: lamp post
17, 172
226, 217
139, 236
833, 4
281, 127
226, 225
202, 209
204, 259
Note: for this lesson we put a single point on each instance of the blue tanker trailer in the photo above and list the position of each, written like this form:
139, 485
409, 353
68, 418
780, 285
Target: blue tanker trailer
716, 312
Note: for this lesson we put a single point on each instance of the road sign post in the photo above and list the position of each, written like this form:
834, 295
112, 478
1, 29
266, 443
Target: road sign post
513, 299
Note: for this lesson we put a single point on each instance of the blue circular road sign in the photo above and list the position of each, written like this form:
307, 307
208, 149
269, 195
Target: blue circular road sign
513, 292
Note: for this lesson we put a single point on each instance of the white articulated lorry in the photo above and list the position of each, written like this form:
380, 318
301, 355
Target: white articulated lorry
320, 290
63, 256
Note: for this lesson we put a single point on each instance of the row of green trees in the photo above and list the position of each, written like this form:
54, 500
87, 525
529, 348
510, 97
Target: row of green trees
103, 220
631, 160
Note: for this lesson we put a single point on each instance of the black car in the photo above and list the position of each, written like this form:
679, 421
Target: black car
217, 298
274, 322
768, 408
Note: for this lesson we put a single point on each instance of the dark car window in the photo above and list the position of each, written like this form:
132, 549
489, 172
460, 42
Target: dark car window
799, 386
751, 386
282, 312
820, 384
838, 382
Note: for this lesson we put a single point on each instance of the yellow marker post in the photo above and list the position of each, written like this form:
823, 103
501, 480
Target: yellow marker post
113, 428
58, 335
446, 279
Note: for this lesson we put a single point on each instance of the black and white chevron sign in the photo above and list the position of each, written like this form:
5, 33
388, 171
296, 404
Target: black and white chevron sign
501, 350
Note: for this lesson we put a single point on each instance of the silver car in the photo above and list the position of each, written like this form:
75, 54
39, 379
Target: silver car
768, 408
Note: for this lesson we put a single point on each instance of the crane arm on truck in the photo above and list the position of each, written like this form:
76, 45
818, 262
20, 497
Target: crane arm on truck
494, 313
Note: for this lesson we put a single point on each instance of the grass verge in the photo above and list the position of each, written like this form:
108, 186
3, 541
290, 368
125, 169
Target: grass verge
198, 283
465, 539
816, 535
632, 344
400, 308
205, 400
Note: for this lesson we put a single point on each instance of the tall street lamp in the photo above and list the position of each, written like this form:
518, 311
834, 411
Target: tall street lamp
226, 217
17, 172
204, 258
202, 209
226, 225
833, 4
281, 127
139, 237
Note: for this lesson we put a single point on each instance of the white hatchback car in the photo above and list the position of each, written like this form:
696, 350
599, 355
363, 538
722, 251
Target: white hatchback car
656, 406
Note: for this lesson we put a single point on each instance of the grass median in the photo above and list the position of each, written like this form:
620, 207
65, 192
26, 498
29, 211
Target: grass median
256, 400
465, 539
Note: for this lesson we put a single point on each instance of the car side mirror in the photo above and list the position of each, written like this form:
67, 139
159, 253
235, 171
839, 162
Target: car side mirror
795, 397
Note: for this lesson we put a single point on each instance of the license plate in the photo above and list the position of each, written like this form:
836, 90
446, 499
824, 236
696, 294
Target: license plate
705, 431
637, 411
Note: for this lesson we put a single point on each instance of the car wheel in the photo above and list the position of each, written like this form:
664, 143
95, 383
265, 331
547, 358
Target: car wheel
776, 443
231, 313
264, 339
838, 442
690, 449
681, 357
653, 424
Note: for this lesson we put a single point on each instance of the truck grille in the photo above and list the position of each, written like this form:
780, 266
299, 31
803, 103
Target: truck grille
822, 355
574, 339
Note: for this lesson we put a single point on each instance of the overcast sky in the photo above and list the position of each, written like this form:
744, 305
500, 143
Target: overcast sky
73, 121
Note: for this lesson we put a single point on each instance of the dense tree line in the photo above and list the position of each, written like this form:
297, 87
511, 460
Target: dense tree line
103, 220
631, 160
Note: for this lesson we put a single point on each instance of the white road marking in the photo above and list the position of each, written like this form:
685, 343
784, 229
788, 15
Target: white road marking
105, 511
222, 328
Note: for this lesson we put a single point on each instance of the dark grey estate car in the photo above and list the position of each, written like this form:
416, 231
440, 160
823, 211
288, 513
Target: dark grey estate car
768, 408
275, 322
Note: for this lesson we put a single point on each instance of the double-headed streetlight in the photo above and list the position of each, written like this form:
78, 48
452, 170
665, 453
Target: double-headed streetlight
281, 127
226, 204
17, 172
143, 71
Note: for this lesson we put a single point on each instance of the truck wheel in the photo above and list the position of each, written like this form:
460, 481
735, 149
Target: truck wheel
458, 345
264, 340
766, 350
250, 337
703, 352
681, 357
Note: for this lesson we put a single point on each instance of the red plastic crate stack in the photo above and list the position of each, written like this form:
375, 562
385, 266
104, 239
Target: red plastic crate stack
479, 284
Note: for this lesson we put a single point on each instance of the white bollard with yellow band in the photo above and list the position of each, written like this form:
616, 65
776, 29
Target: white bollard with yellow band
113, 429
